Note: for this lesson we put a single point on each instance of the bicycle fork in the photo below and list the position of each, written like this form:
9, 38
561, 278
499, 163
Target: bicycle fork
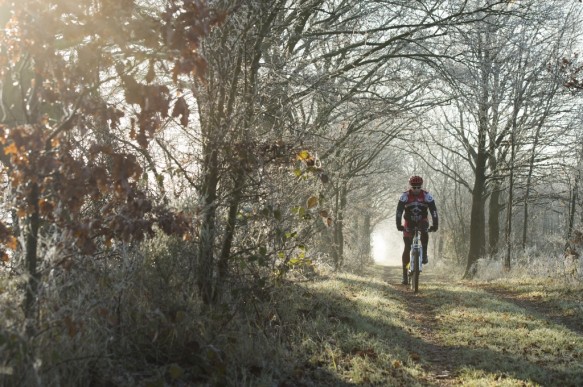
416, 256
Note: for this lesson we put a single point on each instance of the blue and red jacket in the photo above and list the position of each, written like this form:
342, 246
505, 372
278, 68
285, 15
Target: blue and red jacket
416, 208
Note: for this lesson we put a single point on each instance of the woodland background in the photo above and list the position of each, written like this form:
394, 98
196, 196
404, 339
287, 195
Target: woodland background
166, 164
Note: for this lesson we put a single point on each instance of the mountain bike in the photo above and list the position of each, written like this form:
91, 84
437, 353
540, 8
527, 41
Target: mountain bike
415, 266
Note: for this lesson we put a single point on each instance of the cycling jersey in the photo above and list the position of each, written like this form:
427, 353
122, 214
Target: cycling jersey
416, 208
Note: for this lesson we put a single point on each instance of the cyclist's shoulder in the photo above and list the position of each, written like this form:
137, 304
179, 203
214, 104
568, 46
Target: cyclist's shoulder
404, 197
428, 196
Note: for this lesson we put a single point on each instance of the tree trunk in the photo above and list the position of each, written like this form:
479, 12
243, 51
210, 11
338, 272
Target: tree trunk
509, 205
574, 197
525, 213
527, 193
340, 221
33, 219
207, 228
223, 263
529, 178
477, 221
33, 223
477, 232
494, 220
338, 250
366, 238
572, 207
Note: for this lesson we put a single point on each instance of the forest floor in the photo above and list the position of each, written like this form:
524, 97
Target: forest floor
324, 329
368, 329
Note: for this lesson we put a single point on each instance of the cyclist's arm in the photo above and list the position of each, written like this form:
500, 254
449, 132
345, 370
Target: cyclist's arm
433, 212
400, 209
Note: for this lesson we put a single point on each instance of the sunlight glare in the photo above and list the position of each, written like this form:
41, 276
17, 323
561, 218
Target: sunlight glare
387, 245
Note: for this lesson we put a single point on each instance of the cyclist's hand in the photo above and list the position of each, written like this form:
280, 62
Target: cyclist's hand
432, 228
400, 227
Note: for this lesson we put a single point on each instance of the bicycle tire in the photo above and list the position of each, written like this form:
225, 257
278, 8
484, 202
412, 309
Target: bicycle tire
414, 275
415, 280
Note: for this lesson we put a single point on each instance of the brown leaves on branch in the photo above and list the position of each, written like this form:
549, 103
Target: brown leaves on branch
571, 71
184, 24
7, 240
92, 200
71, 47
59, 58
181, 109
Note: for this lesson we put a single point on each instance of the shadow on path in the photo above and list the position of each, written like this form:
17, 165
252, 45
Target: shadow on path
541, 309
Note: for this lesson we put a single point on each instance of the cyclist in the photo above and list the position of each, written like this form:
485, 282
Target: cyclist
415, 204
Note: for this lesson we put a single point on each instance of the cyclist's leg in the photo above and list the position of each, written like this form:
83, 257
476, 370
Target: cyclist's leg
407, 250
424, 243
406, 256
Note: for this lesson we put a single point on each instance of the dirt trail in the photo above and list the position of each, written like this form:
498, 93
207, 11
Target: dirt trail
437, 358
441, 362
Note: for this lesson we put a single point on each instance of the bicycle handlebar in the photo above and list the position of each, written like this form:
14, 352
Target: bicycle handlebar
428, 229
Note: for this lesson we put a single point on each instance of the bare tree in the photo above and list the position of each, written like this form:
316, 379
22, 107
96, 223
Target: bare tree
504, 91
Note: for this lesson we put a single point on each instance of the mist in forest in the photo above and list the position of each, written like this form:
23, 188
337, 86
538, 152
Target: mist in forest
387, 244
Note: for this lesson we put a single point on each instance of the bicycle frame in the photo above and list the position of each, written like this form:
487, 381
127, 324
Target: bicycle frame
415, 259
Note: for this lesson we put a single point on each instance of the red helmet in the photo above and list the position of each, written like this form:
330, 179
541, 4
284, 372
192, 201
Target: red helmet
416, 181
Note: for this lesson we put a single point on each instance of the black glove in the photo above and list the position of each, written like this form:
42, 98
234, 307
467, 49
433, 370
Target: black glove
400, 227
432, 228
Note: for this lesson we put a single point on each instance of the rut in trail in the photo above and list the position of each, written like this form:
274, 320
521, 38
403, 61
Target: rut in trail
423, 346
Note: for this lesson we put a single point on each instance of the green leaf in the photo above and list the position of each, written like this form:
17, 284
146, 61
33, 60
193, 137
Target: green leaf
304, 155
299, 210
175, 371
154, 383
180, 316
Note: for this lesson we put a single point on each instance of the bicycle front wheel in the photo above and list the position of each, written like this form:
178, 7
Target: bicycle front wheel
415, 273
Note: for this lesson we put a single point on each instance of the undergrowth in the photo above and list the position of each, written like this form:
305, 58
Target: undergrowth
133, 317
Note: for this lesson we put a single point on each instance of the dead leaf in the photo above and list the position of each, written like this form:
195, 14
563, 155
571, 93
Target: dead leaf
11, 149
312, 202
